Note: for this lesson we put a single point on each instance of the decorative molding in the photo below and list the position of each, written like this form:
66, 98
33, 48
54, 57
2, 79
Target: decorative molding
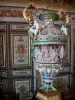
26, 72
13, 5
19, 26
2, 49
11, 13
3, 73
3, 85
2, 26
12, 19
17, 10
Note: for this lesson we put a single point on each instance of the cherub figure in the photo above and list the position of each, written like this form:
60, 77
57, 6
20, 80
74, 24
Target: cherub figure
32, 16
66, 20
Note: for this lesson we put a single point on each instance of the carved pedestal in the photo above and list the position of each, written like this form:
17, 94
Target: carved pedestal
43, 95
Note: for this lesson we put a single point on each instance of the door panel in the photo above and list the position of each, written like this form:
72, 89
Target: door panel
15, 58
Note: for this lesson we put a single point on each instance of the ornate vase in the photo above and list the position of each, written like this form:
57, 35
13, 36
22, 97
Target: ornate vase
48, 51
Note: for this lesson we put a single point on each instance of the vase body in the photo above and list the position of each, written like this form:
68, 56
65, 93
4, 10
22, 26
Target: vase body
49, 53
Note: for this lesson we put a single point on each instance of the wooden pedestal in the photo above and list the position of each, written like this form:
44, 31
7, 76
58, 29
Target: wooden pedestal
43, 95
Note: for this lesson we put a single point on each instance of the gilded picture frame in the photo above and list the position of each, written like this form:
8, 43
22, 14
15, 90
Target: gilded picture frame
20, 49
2, 49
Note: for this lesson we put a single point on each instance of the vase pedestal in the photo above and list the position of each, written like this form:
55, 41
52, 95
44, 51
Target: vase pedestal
53, 95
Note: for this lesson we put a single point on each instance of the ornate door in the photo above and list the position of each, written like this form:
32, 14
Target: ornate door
15, 58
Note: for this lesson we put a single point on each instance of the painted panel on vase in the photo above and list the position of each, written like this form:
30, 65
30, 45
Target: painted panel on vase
21, 51
2, 50
53, 53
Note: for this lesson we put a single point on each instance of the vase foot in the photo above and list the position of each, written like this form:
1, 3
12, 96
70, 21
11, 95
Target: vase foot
50, 88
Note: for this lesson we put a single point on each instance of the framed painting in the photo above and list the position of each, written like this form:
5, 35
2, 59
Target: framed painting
2, 49
20, 50
22, 86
